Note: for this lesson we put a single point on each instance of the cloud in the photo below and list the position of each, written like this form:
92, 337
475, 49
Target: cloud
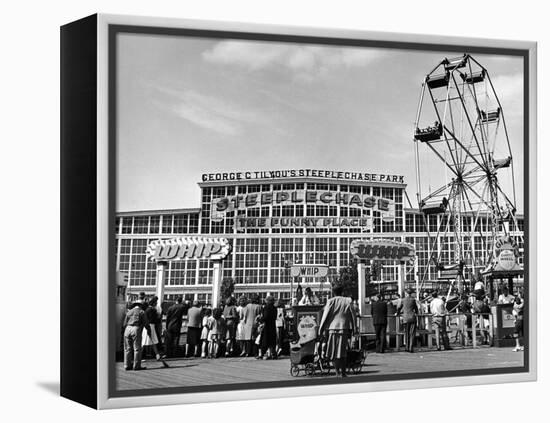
209, 112
305, 62
509, 89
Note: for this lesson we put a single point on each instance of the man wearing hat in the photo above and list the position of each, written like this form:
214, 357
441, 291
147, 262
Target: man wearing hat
505, 297
379, 313
194, 319
409, 309
439, 314
134, 322
174, 320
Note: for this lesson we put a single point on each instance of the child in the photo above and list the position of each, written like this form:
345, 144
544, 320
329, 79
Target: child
258, 341
215, 326
204, 333
280, 324
518, 325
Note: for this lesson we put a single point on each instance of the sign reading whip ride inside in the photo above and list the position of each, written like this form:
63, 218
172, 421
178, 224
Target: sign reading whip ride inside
381, 249
188, 248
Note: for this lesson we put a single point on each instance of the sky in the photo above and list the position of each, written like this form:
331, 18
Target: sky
188, 106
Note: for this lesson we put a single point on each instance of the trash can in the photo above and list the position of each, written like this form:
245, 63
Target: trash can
504, 325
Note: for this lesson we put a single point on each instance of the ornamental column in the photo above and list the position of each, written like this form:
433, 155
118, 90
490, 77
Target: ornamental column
162, 268
401, 279
361, 286
216, 282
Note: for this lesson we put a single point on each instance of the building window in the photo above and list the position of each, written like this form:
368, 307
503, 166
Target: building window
167, 224
154, 225
180, 223
141, 224
127, 225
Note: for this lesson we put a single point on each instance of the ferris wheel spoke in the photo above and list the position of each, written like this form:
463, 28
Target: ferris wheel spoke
443, 159
473, 92
506, 136
469, 123
464, 148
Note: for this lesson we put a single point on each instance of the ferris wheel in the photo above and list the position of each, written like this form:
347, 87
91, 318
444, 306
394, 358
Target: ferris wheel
462, 148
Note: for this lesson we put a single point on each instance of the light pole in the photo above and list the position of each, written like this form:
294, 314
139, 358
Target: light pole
288, 263
321, 287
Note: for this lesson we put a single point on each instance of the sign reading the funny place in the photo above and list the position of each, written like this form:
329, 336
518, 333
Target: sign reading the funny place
302, 222
188, 248
381, 249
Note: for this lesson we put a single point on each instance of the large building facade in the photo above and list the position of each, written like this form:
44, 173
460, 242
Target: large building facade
274, 220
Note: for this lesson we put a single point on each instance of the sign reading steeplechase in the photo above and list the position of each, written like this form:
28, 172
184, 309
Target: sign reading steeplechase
223, 205
303, 173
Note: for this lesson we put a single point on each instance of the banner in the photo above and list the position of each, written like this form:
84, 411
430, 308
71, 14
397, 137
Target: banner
364, 223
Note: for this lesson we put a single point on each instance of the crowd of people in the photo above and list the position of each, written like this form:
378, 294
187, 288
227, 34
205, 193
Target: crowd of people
244, 327
434, 309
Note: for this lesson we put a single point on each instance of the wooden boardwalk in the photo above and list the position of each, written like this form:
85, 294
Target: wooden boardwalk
200, 372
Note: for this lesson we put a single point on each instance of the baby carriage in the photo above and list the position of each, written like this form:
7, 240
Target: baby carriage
306, 358
355, 359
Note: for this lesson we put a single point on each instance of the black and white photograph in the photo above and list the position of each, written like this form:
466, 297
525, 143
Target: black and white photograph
291, 211
299, 211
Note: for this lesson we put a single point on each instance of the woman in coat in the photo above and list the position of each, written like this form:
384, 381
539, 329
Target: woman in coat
231, 316
151, 337
248, 318
269, 335
239, 335
339, 320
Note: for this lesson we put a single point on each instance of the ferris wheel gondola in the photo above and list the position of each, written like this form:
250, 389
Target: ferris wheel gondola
460, 125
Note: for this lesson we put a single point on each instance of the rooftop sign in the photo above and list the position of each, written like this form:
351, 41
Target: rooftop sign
220, 206
303, 173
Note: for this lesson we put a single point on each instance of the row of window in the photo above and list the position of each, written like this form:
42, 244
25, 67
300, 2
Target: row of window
189, 223
158, 224
206, 298
251, 260
216, 192
416, 222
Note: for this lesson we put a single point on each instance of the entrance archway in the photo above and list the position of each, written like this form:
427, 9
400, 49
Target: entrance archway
365, 251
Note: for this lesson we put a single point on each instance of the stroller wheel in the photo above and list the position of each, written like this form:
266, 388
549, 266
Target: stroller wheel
310, 369
294, 370
324, 366
357, 368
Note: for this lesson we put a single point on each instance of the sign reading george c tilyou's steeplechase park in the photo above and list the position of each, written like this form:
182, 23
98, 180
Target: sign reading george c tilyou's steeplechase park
303, 173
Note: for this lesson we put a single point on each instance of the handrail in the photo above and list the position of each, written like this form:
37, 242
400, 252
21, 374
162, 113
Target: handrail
424, 325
